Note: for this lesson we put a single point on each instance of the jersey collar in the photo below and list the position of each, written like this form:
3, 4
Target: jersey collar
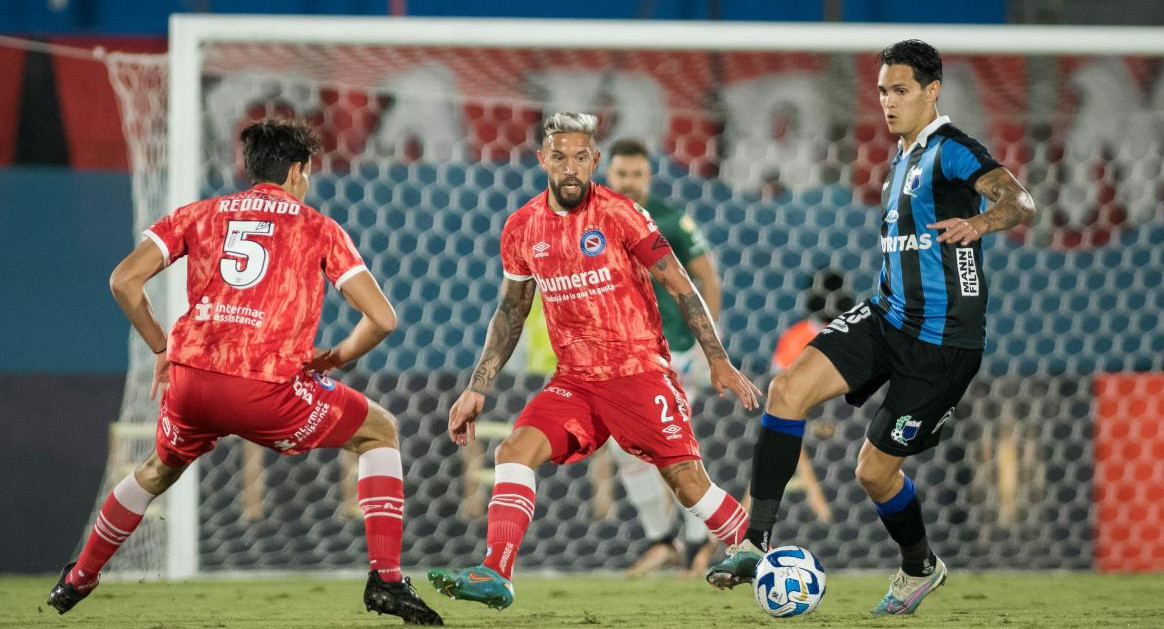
271, 188
924, 136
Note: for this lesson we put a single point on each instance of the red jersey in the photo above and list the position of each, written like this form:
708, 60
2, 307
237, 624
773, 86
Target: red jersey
590, 266
255, 268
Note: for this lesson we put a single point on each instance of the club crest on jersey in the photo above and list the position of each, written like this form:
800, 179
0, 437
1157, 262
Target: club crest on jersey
593, 243
905, 429
325, 381
913, 181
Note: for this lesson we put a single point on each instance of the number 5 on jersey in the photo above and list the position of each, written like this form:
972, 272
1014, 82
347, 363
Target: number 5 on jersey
246, 260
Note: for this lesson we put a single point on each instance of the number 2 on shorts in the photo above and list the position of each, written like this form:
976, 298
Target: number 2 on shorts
664, 415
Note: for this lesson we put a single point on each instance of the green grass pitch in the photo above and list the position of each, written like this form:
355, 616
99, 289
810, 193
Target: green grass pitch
1055, 600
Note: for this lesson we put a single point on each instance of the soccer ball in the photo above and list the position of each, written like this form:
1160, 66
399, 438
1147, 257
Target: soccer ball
789, 582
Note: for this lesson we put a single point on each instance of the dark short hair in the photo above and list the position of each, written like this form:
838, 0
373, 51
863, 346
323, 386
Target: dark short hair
915, 53
271, 146
629, 147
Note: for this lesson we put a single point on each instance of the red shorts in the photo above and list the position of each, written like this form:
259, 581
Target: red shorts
646, 413
309, 411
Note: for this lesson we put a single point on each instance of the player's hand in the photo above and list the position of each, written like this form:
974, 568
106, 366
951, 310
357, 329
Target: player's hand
161, 375
322, 361
724, 377
463, 417
820, 506
960, 230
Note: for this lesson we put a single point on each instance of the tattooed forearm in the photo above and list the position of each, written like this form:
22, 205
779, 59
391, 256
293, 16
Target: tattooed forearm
1012, 203
504, 331
691, 305
698, 319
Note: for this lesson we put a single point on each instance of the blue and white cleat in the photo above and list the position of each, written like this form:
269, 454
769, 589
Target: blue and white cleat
479, 584
906, 592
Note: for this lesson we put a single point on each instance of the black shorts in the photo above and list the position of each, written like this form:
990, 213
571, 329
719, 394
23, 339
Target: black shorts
926, 381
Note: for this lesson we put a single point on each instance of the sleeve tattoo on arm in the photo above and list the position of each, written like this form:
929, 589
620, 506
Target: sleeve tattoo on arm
693, 309
1012, 203
504, 332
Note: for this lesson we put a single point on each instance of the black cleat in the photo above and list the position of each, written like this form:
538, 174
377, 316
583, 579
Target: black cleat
64, 596
399, 599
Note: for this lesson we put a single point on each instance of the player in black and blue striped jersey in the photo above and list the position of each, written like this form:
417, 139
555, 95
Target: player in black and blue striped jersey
922, 332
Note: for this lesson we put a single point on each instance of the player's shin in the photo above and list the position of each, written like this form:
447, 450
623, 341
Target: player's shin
646, 492
381, 494
510, 512
722, 514
120, 515
902, 517
774, 460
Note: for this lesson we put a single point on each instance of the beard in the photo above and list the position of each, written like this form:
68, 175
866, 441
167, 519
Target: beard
569, 201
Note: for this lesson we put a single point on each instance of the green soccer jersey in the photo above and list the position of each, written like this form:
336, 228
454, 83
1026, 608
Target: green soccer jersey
688, 243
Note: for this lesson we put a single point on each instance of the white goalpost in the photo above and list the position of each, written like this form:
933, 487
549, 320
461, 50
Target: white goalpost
769, 136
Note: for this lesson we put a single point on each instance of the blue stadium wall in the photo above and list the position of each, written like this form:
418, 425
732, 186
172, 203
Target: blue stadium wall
109, 16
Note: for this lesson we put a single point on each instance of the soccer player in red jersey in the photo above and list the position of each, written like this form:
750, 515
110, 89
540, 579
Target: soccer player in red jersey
240, 361
592, 253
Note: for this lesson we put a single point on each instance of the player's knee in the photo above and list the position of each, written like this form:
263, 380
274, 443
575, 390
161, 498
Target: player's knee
509, 451
876, 479
783, 399
156, 477
382, 425
377, 431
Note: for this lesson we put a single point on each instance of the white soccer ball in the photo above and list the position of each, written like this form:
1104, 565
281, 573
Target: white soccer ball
789, 582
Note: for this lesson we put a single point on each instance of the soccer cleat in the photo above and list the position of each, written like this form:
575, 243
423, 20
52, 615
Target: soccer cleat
398, 598
479, 583
906, 592
64, 595
739, 567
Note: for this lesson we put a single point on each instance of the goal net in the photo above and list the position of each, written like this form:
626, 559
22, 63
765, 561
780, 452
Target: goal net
771, 138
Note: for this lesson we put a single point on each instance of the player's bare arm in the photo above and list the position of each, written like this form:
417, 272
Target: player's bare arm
128, 285
379, 320
702, 270
669, 272
1012, 205
500, 340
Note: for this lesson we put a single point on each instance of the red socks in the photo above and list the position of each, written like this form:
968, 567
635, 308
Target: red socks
120, 515
381, 494
722, 514
510, 512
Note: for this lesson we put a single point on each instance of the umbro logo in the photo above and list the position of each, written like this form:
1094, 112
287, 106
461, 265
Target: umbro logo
541, 250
